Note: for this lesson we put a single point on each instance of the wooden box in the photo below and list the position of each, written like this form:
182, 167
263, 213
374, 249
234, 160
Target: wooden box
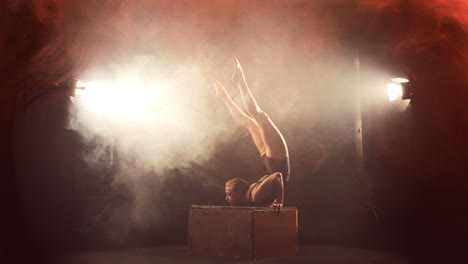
242, 232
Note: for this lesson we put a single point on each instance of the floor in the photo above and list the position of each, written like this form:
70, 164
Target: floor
179, 254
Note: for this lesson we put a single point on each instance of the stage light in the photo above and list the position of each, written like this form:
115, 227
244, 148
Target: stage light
74, 85
394, 91
79, 89
124, 99
400, 80
399, 92
399, 89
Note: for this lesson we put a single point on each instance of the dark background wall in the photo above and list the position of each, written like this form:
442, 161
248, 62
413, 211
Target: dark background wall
62, 193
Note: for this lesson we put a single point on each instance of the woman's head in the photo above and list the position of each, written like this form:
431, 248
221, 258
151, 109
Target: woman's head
236, 190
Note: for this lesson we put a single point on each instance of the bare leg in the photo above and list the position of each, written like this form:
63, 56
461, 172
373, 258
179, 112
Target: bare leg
238, 77
241, 116
274, 142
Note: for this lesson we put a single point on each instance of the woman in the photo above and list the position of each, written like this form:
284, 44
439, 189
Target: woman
269, 190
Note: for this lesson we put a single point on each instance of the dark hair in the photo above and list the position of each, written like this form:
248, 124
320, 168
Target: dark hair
238, 184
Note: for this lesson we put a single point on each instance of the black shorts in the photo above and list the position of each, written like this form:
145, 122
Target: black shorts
277, 165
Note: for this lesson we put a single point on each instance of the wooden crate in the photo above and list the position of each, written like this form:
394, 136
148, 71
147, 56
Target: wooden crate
242, 232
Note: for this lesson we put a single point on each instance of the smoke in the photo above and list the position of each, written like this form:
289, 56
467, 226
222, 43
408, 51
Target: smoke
298, 57
296, 67
178, 126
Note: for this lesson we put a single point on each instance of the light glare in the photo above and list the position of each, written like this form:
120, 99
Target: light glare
79, 84
400, 80
394, 90
126, 99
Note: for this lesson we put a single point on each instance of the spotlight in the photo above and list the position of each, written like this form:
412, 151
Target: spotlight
79, 88
394, 91
407, 90
400, 80
399, 89
75, 86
